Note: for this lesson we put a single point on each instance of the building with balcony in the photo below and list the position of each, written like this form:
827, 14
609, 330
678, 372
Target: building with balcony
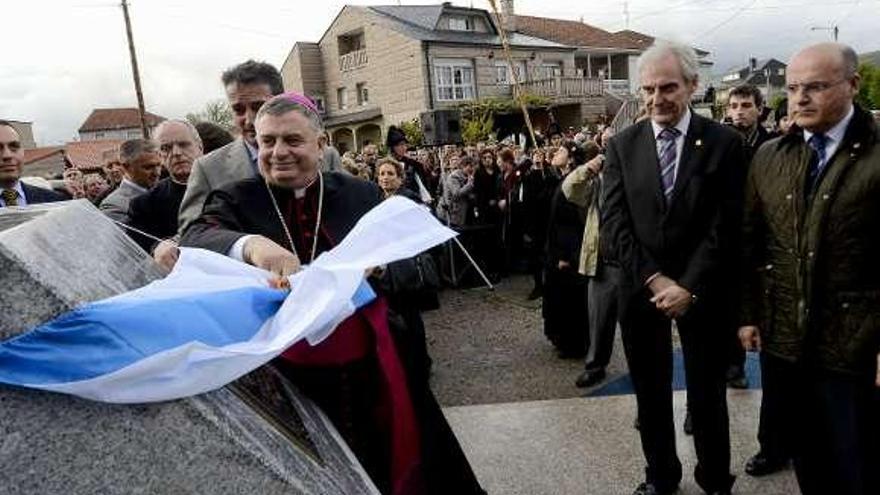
382, 65
379, 66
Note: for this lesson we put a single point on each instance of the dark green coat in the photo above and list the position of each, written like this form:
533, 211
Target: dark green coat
812, 267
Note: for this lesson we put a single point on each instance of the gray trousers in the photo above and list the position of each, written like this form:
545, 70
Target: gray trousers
602, 309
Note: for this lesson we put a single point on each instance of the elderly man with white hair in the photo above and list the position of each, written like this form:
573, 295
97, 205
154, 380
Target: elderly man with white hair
673, 184
156, 211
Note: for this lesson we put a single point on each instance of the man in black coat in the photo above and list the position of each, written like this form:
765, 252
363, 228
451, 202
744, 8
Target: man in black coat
156, 211
673, 193
745, 106
14, 192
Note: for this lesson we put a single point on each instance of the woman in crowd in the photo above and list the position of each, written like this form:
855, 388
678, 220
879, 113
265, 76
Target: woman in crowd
511, 205
458, 192
411, 284
565, 290
488, 212
538, 186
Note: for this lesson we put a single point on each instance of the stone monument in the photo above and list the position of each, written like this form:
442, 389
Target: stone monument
257, 435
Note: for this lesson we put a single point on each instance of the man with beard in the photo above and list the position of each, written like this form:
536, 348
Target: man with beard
14, 192
371, 154
290, 214
156, 212
673, 187
248, 86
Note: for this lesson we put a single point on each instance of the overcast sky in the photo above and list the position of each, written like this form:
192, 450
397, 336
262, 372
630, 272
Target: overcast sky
61, 58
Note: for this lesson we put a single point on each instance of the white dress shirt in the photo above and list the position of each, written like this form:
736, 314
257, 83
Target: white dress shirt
683, 123
834, 136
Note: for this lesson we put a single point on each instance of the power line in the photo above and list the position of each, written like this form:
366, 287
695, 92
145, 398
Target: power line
724, 22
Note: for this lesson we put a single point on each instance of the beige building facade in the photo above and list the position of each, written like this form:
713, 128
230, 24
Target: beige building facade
379, 66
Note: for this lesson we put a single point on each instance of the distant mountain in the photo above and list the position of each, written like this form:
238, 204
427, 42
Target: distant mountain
871, 58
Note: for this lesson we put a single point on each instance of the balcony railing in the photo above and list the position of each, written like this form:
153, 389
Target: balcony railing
353, 60
617, 86
564, 87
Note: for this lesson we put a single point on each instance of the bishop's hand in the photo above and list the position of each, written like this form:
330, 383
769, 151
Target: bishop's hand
268, 255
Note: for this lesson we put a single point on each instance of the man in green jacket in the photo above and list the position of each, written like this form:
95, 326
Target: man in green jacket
811, 236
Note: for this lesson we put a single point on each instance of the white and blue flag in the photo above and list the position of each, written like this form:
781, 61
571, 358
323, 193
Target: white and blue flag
212, 320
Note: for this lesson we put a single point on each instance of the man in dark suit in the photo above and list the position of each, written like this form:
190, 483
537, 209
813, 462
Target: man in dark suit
248, 85
14, 192
745, 104
156, 211
673, 193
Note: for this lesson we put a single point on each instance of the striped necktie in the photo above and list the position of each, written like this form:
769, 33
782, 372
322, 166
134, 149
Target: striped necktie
667, 156
817, 143
10, 197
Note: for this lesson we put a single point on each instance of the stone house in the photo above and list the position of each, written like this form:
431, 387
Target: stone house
379, 66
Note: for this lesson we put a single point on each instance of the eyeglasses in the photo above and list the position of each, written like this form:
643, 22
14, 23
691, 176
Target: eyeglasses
812, 88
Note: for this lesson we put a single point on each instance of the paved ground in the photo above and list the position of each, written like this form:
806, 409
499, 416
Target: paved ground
523, 423
489, 347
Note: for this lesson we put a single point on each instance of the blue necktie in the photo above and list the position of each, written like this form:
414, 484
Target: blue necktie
667, 157
817, 161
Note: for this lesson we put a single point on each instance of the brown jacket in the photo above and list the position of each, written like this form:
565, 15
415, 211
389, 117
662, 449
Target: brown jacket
812, 274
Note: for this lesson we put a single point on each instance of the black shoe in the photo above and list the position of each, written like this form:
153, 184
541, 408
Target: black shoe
761, 465
637, 424
536, 293
651, 489
736, 377
590, 378
688, 424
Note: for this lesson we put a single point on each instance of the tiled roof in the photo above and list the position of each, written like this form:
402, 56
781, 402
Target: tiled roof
103, 119
90, 154
418, 22
573, 33
35, 154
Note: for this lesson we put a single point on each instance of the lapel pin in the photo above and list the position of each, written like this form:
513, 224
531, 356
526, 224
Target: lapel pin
698, 143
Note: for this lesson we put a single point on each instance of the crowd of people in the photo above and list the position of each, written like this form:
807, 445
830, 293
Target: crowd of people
739, 236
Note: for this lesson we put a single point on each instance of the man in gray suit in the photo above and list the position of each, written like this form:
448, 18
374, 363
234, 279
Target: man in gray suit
141, 166
248, 86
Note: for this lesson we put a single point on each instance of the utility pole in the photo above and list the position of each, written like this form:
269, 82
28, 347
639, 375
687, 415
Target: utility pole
134, 70
626, 13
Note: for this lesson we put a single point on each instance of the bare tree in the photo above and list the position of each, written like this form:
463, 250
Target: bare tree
215, 111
